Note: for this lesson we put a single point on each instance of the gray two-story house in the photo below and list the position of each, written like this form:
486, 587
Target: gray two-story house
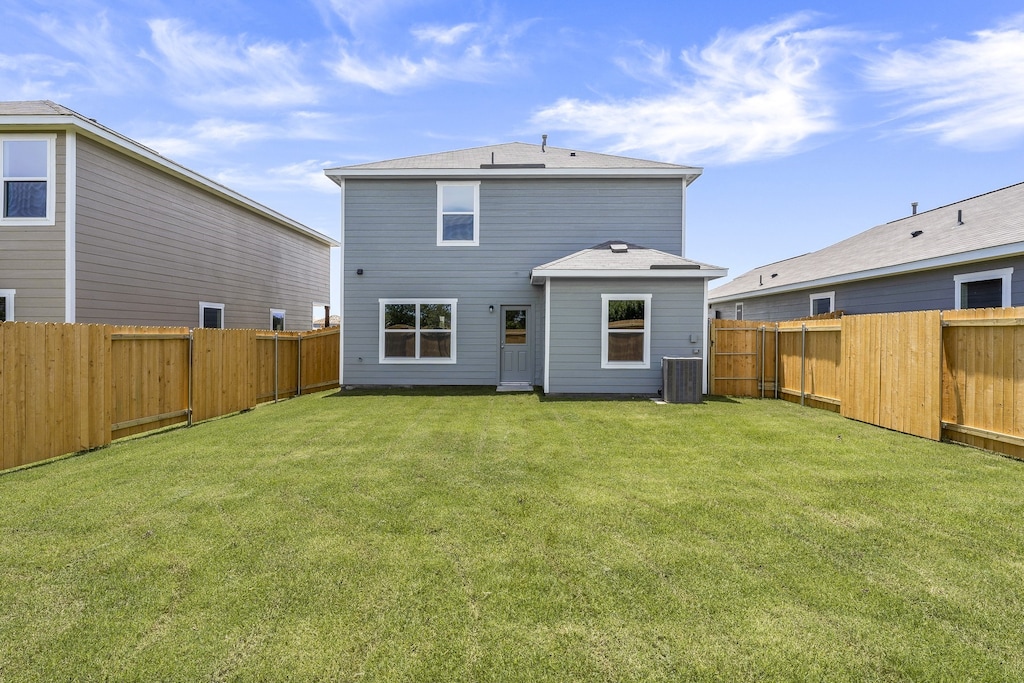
518, 265
98, 228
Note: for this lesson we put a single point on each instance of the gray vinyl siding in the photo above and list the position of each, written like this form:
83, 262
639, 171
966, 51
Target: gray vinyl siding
922, 291
576, 329
151, 246
32, 257
391, 233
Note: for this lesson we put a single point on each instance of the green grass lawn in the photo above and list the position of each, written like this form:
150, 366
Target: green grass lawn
468, 535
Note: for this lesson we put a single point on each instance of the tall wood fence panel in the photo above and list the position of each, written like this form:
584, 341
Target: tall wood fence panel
936, 374
66, 388
983, 378
54, 390
150, 377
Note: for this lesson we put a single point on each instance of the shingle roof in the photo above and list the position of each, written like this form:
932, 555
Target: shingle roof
991, 220
517, 153
34, 108
609, 257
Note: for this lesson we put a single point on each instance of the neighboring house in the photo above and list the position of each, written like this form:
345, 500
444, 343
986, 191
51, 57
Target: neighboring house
969, 254
97, 228
516, 265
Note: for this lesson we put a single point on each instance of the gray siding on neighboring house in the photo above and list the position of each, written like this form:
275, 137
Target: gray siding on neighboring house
576, 329
151, 246
32, 257
391, 233
921, 291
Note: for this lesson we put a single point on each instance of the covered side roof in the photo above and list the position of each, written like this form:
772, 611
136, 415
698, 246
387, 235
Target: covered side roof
980, 228
516, 159
618, 258
42, 114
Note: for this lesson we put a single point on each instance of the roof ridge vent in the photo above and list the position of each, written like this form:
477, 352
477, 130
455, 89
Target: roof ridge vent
619, 247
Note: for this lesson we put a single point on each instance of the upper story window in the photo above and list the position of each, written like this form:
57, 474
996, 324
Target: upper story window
27, 163
417, 331
739, 311
211, 315
984, 289
823, 302
458, 213
626, 331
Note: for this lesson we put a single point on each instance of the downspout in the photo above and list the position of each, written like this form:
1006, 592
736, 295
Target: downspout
704, 345
547, 334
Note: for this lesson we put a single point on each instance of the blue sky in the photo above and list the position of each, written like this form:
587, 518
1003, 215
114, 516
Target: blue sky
813, 121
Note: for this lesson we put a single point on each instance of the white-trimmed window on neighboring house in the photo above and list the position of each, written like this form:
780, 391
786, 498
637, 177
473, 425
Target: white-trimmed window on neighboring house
27, 170
420, 331
211, 315
984, 289
739, 311
6, 305
626, 330
458, 213
277, 319
823, 302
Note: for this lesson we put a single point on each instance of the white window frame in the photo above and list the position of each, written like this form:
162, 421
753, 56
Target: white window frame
739, 311
441, 241
416, 360
278, 312
51, 183
203, 305
831, 296
619, 365
1005, 274
8, 294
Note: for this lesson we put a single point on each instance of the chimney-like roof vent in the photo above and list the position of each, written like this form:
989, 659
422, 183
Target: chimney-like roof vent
913, 208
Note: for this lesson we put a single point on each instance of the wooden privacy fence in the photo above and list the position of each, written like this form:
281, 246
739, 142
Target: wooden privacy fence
957, 375
66, 388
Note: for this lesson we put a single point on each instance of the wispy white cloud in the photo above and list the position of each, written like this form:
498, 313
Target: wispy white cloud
964, 92
34, 77
207, 137
464, 52
98, 62
215, 70
357, 13
748, 95
442, 35
303, 175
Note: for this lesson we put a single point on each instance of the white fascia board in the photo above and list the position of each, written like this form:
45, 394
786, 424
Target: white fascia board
538, 278
690, 174
963, 258
150, 156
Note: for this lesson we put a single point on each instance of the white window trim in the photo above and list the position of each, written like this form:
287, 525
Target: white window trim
618, 365
281, 312
51, 176
416, 361
475, 242
1005, 274
206, 304
9, 295
831, 296
739, 311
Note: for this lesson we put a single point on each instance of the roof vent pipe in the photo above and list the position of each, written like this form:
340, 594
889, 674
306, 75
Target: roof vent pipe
913, 208
544, 142
959, 216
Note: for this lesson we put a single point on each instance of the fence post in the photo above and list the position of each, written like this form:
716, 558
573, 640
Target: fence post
191, 366
762, 359
276, 371
803, 359
776, 382
298, 371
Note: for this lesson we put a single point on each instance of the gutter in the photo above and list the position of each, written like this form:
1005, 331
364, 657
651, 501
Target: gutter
963, 258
